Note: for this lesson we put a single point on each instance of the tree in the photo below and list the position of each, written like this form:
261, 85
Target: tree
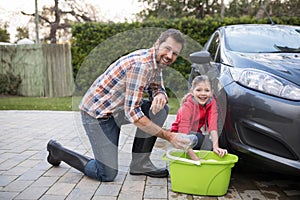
180, 8
59, 17
288, 8
263, 8
217, 8
4, 35
22, 33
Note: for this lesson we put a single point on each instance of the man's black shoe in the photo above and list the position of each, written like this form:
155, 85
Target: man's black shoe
51, 146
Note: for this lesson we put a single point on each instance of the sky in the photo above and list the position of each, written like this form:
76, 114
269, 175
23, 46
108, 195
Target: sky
114, 10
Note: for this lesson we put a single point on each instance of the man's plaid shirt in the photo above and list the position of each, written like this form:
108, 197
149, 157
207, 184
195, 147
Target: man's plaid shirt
123, 85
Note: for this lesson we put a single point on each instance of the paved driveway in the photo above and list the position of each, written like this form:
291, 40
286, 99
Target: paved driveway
25, 174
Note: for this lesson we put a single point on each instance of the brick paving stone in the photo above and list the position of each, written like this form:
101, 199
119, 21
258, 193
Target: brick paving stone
8, 164
120, 178
62, 189
130, 177
42, 166
32, 193
31, 175
129, 186
17, 186
132, 195
39, 155
204, 198
8, 195
71, 177
57, 171
13, 159
78, 193
157, 181
124, 159
231, 194
178, 196
252, 194
29, 163
88, 184
271, 194
156, 192
52, 197
270, 191
17, 171
5, 179
108, 190
45, 181
105, 198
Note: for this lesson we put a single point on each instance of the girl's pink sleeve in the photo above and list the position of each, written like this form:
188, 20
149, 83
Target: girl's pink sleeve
185, 121
213, 117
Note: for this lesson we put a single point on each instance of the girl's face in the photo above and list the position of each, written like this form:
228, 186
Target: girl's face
202, 92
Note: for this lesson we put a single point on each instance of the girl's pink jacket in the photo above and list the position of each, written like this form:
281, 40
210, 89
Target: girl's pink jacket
191, 116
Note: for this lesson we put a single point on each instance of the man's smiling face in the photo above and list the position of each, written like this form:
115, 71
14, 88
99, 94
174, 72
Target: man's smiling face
167, 52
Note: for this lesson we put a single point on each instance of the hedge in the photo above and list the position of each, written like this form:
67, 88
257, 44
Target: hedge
9, 83
96, 45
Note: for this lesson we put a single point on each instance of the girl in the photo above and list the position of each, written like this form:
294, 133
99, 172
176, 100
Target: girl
198, 112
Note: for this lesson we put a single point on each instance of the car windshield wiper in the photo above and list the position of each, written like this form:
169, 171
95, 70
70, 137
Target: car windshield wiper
286, 49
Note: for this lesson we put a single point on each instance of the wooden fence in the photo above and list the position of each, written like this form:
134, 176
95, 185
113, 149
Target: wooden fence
45, 69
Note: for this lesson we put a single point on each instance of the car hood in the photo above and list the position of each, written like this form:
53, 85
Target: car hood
285, 65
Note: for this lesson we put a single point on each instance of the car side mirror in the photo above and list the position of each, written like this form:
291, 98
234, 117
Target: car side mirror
200, 57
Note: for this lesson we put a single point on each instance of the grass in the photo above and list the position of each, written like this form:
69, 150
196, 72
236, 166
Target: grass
56, 104
36, 103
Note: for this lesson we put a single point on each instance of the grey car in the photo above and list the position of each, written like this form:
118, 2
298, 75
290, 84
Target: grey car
258, 68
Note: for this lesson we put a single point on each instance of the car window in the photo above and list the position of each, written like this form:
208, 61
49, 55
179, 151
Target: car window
267, 39
213, 47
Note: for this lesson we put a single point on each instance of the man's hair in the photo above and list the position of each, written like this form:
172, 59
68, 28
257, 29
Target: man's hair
173, 33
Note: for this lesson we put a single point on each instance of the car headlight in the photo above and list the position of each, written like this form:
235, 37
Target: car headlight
265, 82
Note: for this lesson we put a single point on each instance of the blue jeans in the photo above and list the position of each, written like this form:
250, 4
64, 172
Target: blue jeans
104, 138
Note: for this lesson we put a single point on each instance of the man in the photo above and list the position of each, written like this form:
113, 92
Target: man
117, 97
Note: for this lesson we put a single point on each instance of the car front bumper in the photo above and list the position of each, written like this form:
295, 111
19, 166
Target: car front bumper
265, 127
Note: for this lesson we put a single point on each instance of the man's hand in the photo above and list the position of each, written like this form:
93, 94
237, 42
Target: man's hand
175, 139
158, 103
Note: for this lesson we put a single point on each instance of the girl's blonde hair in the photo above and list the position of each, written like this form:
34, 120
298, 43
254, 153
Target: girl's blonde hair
196, 80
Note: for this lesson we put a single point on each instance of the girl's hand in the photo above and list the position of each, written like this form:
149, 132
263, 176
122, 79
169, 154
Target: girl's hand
221, 152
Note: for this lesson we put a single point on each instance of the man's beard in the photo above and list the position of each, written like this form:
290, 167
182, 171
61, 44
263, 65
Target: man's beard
161, 66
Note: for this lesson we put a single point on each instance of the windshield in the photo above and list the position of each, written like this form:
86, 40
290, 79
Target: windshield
263, 39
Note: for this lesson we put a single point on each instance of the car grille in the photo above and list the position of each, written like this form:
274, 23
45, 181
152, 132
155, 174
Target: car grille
264, 141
